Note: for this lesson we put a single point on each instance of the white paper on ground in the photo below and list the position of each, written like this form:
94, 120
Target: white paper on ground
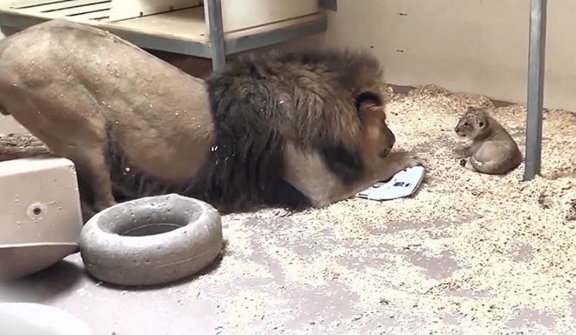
403, 184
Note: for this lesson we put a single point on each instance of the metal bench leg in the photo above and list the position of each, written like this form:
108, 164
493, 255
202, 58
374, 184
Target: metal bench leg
217, 42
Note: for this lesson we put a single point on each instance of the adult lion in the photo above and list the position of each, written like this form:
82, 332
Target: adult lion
276, 129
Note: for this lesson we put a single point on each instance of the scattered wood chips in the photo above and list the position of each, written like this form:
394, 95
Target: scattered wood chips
15, 146
469, 254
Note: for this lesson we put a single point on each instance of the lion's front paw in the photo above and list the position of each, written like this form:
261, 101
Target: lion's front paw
408, 160
397, 162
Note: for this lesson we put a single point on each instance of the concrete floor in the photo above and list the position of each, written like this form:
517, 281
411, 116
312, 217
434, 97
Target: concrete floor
108, 310
201, 305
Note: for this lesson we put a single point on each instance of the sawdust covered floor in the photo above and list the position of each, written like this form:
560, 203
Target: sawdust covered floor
469, 254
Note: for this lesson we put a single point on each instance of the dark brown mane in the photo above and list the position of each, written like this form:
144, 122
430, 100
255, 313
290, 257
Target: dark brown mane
258, 103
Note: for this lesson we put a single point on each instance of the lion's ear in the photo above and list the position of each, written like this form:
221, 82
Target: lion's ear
368, 97
371, 114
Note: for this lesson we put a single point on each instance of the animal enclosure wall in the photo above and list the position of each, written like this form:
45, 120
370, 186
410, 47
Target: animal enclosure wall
477, 46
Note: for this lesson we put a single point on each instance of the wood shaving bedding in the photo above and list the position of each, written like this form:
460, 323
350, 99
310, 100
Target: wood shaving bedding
469, 254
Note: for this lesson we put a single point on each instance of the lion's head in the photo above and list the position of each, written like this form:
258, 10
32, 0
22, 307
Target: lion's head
378, 138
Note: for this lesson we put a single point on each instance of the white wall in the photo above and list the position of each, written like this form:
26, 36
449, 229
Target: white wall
478, 46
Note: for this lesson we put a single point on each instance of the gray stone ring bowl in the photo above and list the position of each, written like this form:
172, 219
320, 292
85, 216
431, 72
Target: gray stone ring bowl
151, 241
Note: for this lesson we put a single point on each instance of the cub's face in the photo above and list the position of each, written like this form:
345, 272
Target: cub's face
471, 124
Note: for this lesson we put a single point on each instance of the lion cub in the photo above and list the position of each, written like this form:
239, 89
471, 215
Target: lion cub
492, 151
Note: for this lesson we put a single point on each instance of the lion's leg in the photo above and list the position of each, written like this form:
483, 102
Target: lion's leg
86, 147
87, 210
91, 165
388, 167
308, 173
64, 113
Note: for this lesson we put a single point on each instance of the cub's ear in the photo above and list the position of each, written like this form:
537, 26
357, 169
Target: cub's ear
469, 110
368, 97
481, 122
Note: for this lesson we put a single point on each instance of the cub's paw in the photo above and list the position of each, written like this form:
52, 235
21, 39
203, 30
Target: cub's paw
458, 153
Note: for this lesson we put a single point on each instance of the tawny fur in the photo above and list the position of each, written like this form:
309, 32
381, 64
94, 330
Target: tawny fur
493, 150
274, 129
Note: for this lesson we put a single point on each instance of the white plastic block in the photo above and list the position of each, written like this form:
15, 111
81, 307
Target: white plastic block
39, 201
